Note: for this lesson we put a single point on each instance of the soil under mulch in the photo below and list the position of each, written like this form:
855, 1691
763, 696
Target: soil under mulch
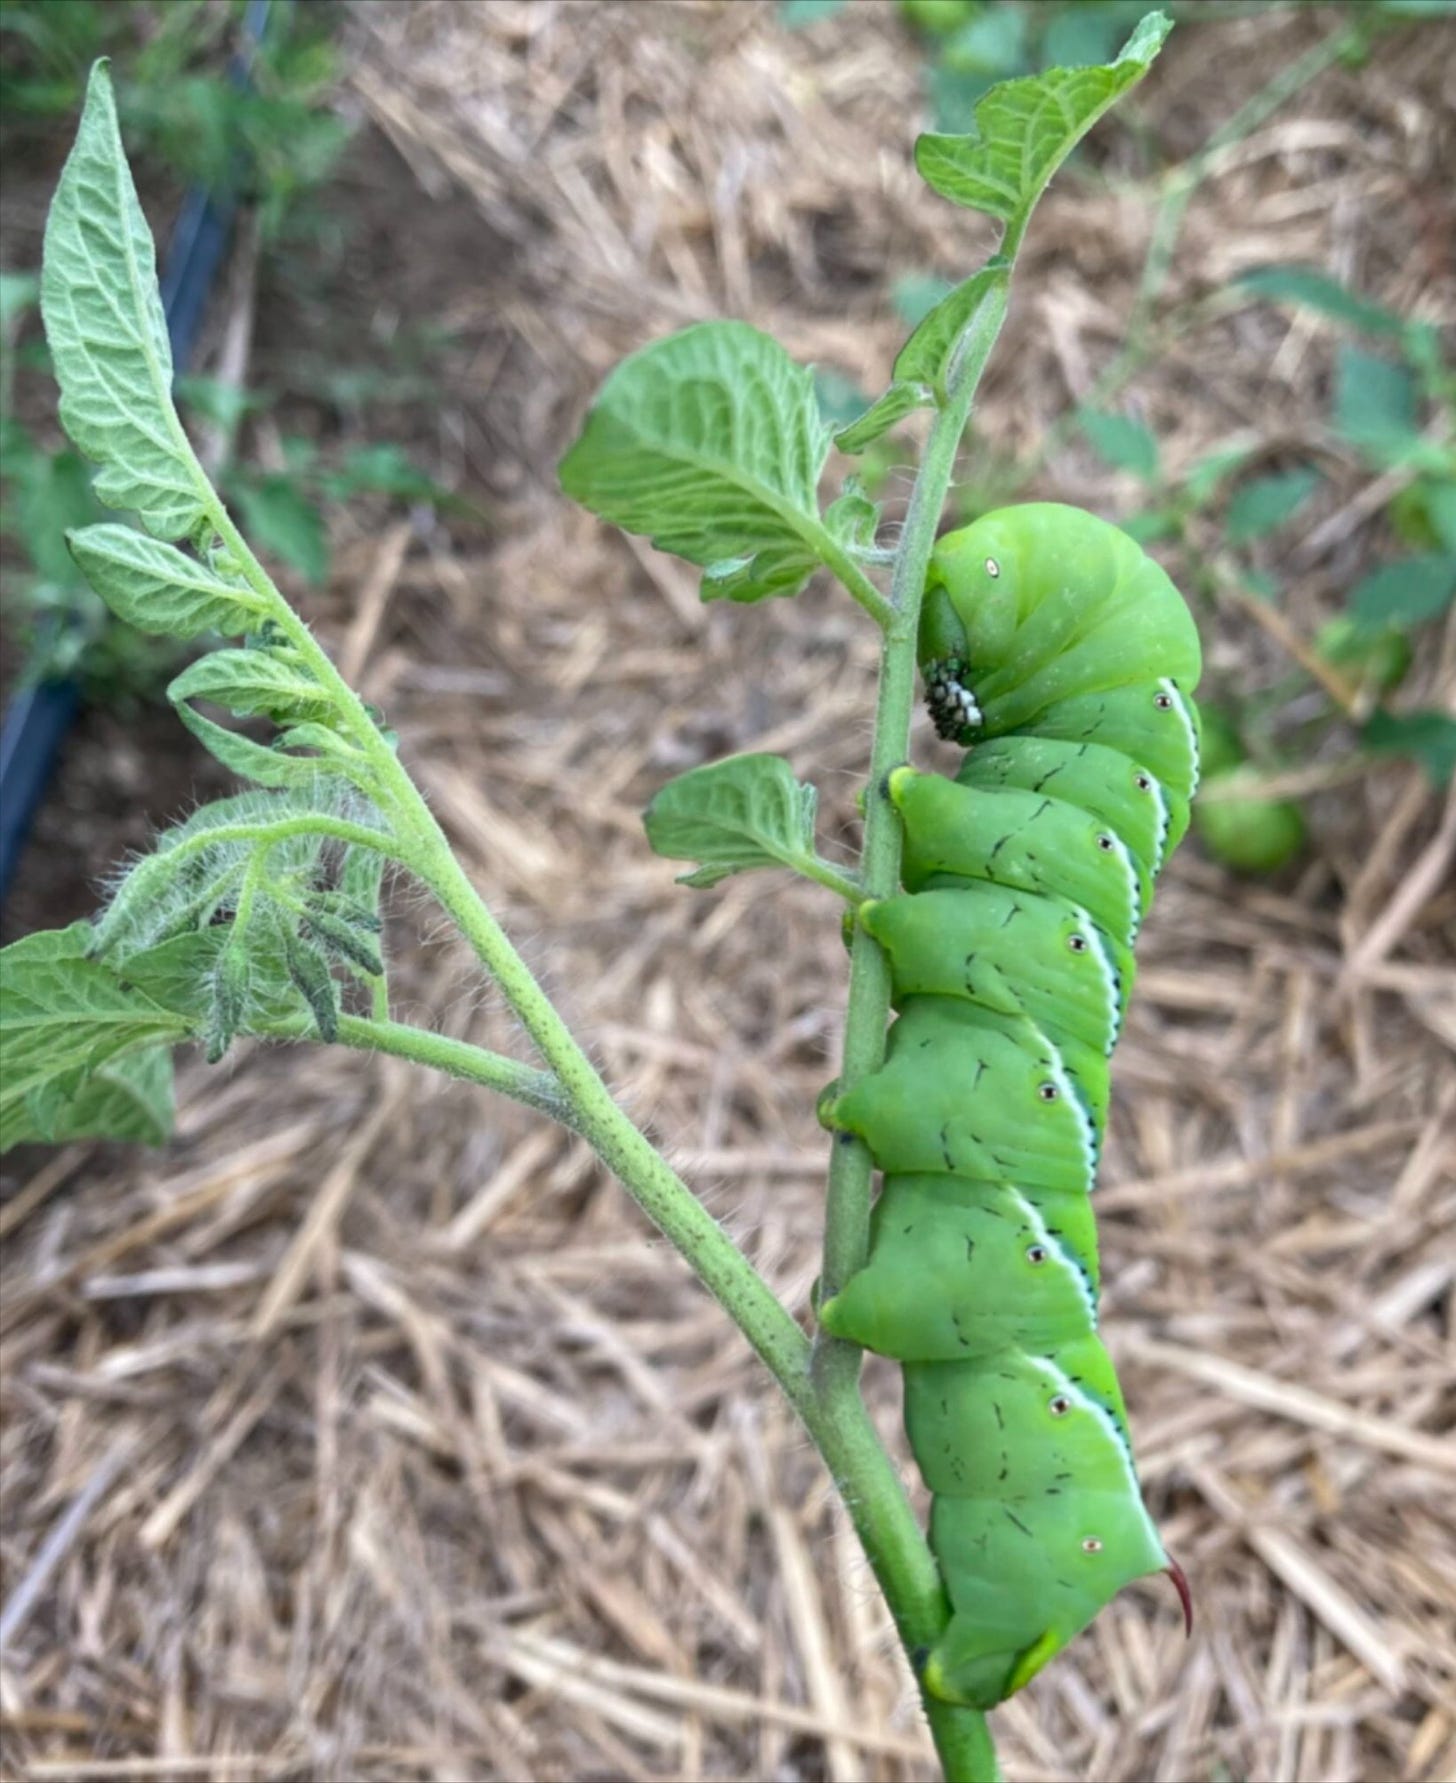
364, 1432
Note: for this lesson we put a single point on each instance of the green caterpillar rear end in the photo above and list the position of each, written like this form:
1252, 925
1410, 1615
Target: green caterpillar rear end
1064, 659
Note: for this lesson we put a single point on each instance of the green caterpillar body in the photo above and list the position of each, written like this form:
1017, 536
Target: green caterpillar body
1064, 659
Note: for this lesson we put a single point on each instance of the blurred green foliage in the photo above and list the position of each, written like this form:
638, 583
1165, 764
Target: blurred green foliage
274, 143
43, 492
972, 44
1391, 410
277, 135
969, 45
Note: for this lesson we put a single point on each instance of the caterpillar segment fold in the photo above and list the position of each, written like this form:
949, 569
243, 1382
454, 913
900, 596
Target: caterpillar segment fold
1065, 660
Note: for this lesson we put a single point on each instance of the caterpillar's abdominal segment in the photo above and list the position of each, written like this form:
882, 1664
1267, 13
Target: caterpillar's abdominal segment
1064, 658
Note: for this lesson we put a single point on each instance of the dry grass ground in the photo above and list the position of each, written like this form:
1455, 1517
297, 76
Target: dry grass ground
365, 1433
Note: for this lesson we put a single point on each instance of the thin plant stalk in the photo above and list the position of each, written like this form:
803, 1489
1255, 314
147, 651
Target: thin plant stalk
960, 1734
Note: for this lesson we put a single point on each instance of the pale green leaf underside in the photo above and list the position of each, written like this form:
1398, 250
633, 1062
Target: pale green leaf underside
107, 333
748, 811
924, 364
924, 357
900, 400
129, 1098
853, 518
253, 681
711, 444
158, 588
64, 1019
252, 761
1024, 130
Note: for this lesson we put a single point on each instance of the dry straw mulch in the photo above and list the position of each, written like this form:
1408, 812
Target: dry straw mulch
365, 1432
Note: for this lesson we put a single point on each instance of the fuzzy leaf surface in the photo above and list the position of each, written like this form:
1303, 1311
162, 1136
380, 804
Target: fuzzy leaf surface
1024, 130
900, 400
107, 333
191, 876
252, 761
748, 811
65, 1018
158, 588
129, 1098
711, 444
853, 518
252, 681
361, 881
177, 973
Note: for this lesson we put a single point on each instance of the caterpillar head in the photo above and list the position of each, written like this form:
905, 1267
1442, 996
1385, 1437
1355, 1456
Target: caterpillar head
974, 597
983, 582
944, 655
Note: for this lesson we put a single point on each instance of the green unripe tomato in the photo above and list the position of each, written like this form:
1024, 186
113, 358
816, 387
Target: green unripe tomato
1250, 835
938, 18
1376, 659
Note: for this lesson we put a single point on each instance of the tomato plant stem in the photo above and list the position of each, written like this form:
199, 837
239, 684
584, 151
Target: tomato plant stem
916, 1598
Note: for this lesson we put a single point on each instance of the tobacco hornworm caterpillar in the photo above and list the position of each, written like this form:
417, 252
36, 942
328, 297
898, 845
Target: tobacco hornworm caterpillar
1063, 657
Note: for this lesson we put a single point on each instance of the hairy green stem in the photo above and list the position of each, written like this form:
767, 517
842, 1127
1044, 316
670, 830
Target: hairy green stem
583, 1100
455, 1058
960, 1734
832, 878
857, 583
379, 996
628, 1154
310, 823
